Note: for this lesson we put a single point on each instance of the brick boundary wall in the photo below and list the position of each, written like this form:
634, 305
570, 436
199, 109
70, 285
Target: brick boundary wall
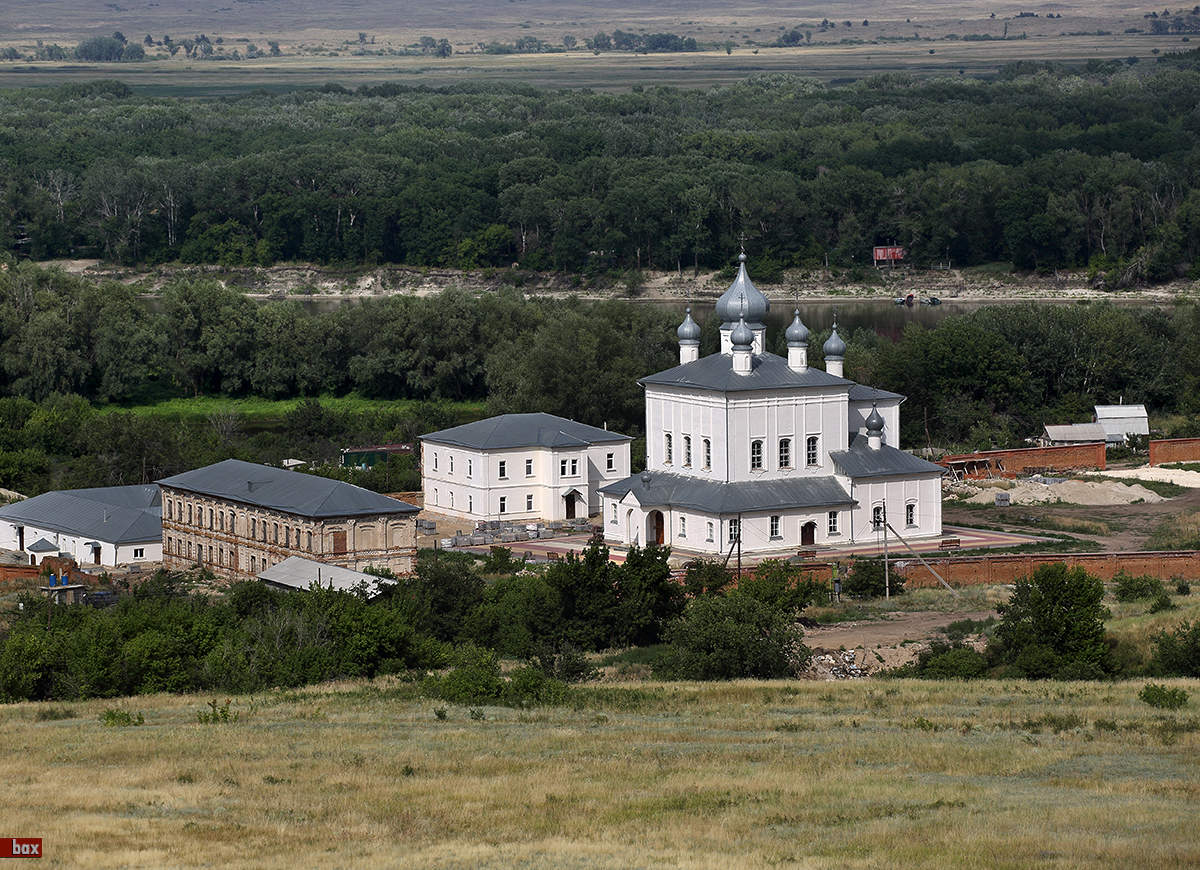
1166, 450
1062, 458
1007, 567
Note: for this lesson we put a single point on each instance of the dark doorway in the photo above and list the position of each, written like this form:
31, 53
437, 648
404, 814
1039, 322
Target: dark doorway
808, 534
660, 532
95, 555
20, 537
570, 497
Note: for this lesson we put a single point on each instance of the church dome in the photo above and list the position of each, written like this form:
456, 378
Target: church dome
797, 333
729, 306
834, 346
742, 335
874, 422
689, 330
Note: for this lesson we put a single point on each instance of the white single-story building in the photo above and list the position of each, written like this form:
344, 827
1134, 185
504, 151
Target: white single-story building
520, 467
296, 572
107, 526
1121, 421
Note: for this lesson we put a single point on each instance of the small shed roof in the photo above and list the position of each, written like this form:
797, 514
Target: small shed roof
1123, 419
41, 545
296, 572
1076, 433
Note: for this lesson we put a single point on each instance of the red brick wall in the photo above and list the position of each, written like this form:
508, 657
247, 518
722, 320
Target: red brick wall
1174, 450
1005, 568
1012, 462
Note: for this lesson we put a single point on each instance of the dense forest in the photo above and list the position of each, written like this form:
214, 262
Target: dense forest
1043, 167
990, 378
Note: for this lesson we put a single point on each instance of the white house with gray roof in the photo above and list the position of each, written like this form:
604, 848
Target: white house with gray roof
747, 444
107, 526
520, 467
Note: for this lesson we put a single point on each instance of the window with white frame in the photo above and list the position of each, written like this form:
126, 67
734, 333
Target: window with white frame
668, 449
833, 522
503, 469
574, 467
470, 504
774, 526
683, 527
910, 514
529, 502
707, 455
529, 468
435, 496
451, 498
139, 553
687, 451
785, 452
877, 518
710, 532
470, 467
451, 459
735, 530
435, 461
562, 468
503, 504
613, 519
610, 462
756, 456
812, 454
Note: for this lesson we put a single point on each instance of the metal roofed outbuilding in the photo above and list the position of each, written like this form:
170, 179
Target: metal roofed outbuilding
296, 572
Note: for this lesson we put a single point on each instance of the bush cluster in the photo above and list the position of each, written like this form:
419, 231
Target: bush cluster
1162, 697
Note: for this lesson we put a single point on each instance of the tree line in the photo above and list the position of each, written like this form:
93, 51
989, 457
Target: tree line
1025, 169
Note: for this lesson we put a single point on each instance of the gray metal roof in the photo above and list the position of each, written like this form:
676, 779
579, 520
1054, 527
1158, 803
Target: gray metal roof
1076, 433
859, 393
41, 545
768, 372
730, 305
861, 461
1122, 420
292, 492
114, 514
296, 572
716, 497
509, 431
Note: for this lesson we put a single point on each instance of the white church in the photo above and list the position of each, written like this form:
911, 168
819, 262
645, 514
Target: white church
746, 444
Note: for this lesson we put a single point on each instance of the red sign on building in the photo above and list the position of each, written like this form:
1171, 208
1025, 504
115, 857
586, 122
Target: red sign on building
888, 254
21, 847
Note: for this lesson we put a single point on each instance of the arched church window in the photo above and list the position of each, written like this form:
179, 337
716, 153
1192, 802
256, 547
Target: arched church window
687, 451
910, 514
785, 452
877, 518
756, 455
811, 456
668, 449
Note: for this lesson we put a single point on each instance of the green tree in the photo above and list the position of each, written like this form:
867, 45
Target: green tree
723, 637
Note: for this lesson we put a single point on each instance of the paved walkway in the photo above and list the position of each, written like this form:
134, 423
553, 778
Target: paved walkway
969, 539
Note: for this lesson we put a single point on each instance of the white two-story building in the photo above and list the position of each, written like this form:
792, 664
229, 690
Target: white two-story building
520, 467
747, 444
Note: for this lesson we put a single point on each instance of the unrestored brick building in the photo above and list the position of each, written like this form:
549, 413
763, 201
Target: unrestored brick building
238, 518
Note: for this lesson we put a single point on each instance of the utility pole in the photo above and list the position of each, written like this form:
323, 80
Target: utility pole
739, 546
887, 581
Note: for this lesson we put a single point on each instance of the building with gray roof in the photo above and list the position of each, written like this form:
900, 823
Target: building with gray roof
520, 467
107, 526
297, 573
238, 518
766, 453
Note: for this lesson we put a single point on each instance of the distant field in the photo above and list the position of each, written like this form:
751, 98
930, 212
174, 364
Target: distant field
202, 407
320, 41
748, 774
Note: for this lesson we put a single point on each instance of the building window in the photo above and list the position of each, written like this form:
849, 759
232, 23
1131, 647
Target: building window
668, 449
529, 502
710, 533
189, 549
139, 553
683, 527
503, 504
221, 520
435, 496
232, 529
435, 461
574, 467
221, 557
910, 514
529, 468
687, 451
451, 464
833, 522
253, 564
189, 515
287, 536
275, 535
451, 498
611, 462
470, 504
568, 467
785, 452
170, 515
470, 467
810, 451
614, 514
735, 530
877, 518
253, 527
775, 527
756, 461
310, 542
210, 518
503, 469
707, 457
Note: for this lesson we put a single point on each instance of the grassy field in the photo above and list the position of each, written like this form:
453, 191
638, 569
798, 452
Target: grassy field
202, 407
857, 774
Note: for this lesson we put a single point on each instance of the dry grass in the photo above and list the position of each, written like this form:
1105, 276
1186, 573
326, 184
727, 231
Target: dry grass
741, 774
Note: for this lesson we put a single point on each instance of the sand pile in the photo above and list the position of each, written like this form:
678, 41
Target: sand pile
1152, 472
1088, 492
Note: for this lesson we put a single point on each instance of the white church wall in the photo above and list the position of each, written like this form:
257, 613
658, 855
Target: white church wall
770, 418
897, 493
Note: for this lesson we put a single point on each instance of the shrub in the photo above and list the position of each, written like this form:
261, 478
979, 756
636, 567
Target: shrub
781, 587
476, 679
1177, 653
115, 717
949, 662
1053, 626
1131, 588
500, 561
704, 577
1158, 695
565, 662
728, 636
866, 580
218, 714
1182, 588
1162, 601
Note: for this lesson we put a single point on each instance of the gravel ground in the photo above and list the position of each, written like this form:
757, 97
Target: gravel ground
1150, 472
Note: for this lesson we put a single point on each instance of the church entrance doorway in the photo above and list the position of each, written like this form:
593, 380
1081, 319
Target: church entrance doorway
658, 524
808, 534
570, 497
